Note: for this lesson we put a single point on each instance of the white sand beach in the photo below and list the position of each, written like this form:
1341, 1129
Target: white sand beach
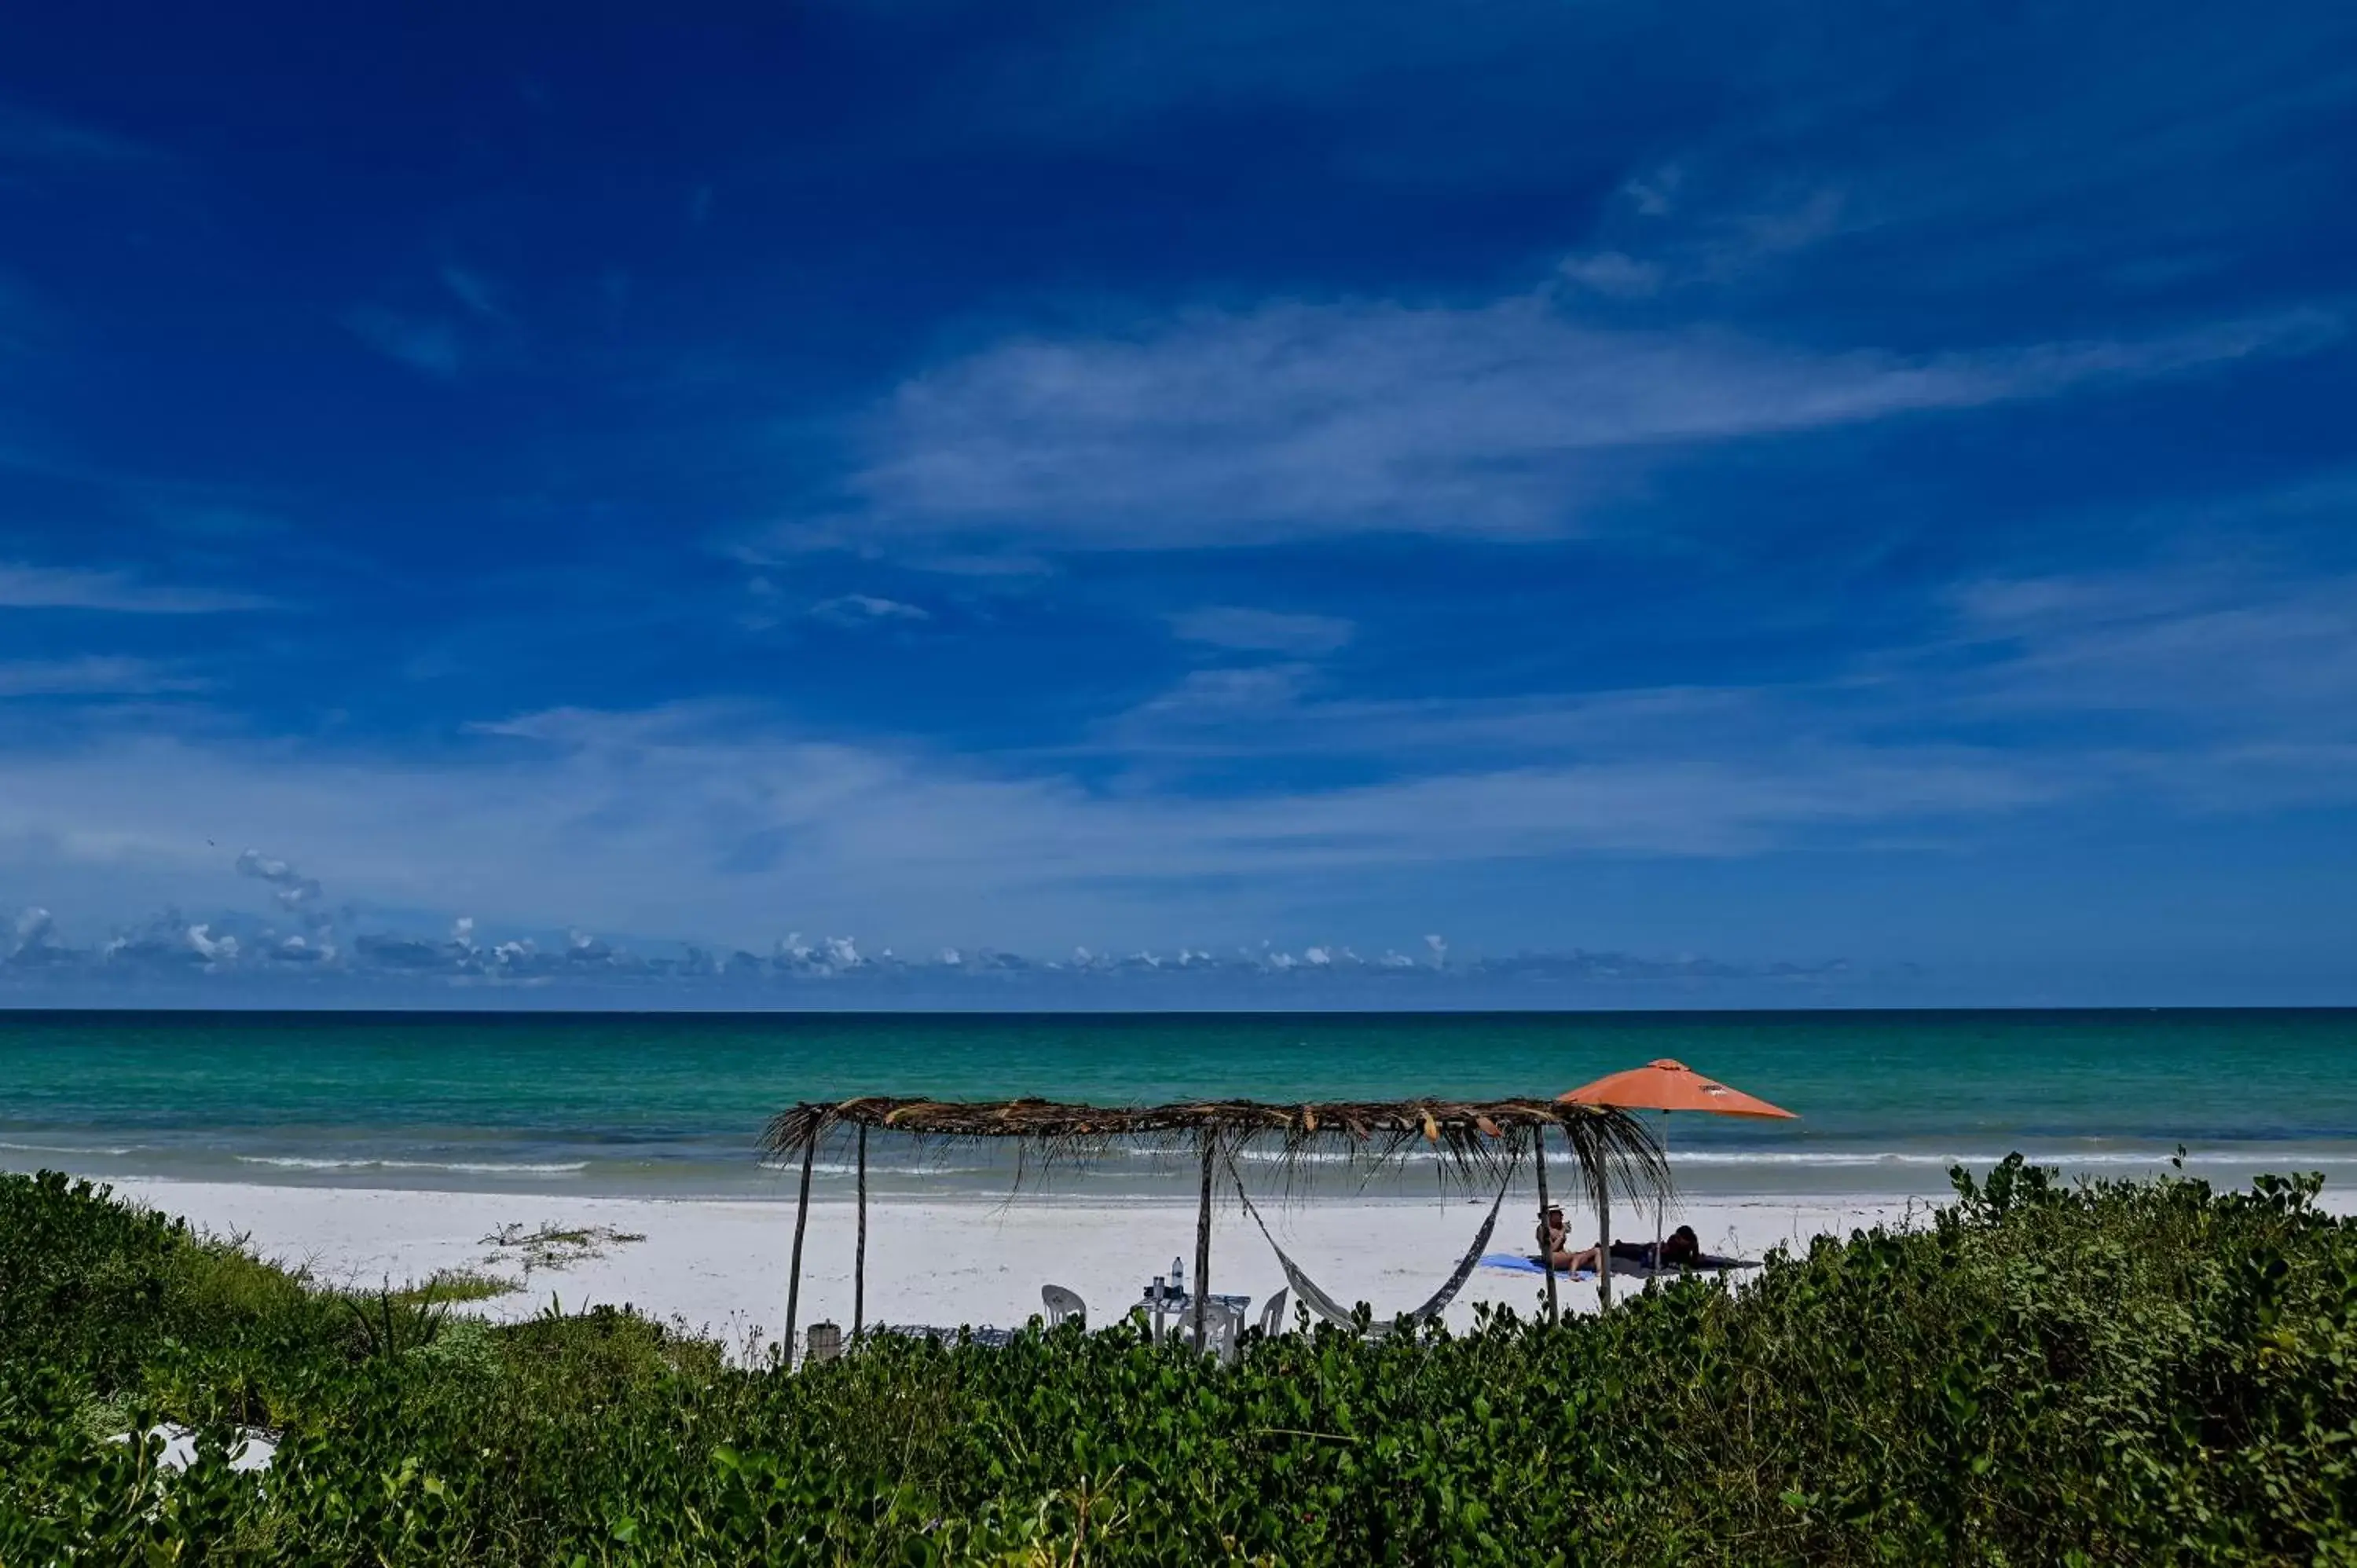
720, 1266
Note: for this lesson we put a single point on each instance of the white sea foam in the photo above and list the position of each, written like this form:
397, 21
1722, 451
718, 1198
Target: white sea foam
471, 1168
1825, 1159
878, 1168
63, 1149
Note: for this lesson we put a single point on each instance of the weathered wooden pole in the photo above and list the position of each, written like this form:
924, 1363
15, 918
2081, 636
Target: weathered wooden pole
1546, 1242
794, 1273
859, 1255
1603, 1179
1203, 1237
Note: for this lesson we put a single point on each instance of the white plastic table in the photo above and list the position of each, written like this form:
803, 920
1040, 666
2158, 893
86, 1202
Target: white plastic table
1183, 1306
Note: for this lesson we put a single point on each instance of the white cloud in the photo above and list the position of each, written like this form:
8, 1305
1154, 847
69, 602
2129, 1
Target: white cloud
31, 135
94, 675
1718, 243
1655, 193
426, 344
1499, 419
1267, 711
296, 892
1613, 273
26, 586
643, 821
1792, 227
1262, 631
866, 609
222, 950
1226, 696
474, 291
2205, 643
712, 821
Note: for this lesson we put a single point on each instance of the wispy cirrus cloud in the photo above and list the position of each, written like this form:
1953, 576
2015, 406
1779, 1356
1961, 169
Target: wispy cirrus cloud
1498, 420
2226, 687
867, 610
26, 586
473, 290
1719, 245
2235, 645
427, 344
1614, 273
725, 821
712, 821
2190, 665
31, 135
1249, 631
92, 675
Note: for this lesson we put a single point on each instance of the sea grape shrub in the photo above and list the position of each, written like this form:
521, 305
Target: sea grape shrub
2137, 1372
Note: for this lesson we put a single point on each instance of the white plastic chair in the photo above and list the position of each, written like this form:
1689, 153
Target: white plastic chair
1062, 1303
1223, 1326
1272, 1316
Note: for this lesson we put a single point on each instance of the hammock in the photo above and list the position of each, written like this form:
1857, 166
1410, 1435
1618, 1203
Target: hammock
1305, 1290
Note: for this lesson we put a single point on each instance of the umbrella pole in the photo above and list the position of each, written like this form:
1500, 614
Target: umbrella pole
794, 1269
1661, 1198
859, 1255
1546, 1242
1203, 1237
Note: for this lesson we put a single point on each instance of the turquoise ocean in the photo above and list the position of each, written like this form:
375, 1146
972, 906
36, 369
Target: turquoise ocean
672, 1104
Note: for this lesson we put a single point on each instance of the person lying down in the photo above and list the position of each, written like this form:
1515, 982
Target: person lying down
1682, 1249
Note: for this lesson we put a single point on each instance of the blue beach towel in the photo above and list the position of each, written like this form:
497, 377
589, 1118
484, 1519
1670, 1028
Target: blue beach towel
1514, 1263
1708, 1262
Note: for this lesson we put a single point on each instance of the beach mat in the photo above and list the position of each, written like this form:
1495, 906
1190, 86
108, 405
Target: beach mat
1708, 1262
1514, 1263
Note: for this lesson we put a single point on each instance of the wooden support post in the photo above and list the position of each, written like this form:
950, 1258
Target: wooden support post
794, 1271
1604, 1238
1546, 1242
859, 1255
1203, 1238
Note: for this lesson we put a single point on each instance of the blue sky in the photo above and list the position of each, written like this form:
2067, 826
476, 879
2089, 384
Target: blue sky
1756, 483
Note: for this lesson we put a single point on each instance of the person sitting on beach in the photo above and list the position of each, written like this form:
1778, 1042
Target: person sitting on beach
1551, 1231
1555, 1242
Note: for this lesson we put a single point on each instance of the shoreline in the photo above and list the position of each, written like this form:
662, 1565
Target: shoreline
1815, 1179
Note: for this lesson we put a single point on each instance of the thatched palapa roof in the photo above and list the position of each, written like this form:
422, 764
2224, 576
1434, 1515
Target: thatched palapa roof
1475, 1139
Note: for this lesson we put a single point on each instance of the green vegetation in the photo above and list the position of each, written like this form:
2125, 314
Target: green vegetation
456, 1285
2130, 1373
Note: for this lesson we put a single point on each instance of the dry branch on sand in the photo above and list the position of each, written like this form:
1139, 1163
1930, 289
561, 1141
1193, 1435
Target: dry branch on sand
552, 1246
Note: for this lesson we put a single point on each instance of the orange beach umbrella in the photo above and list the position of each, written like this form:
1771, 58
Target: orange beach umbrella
1666, 1086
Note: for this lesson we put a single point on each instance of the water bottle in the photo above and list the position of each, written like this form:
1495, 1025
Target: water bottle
1178, 1277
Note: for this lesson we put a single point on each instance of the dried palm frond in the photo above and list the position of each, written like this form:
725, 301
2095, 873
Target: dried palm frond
1616, 1154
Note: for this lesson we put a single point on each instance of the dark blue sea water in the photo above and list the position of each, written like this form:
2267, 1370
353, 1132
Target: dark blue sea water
672, 1104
